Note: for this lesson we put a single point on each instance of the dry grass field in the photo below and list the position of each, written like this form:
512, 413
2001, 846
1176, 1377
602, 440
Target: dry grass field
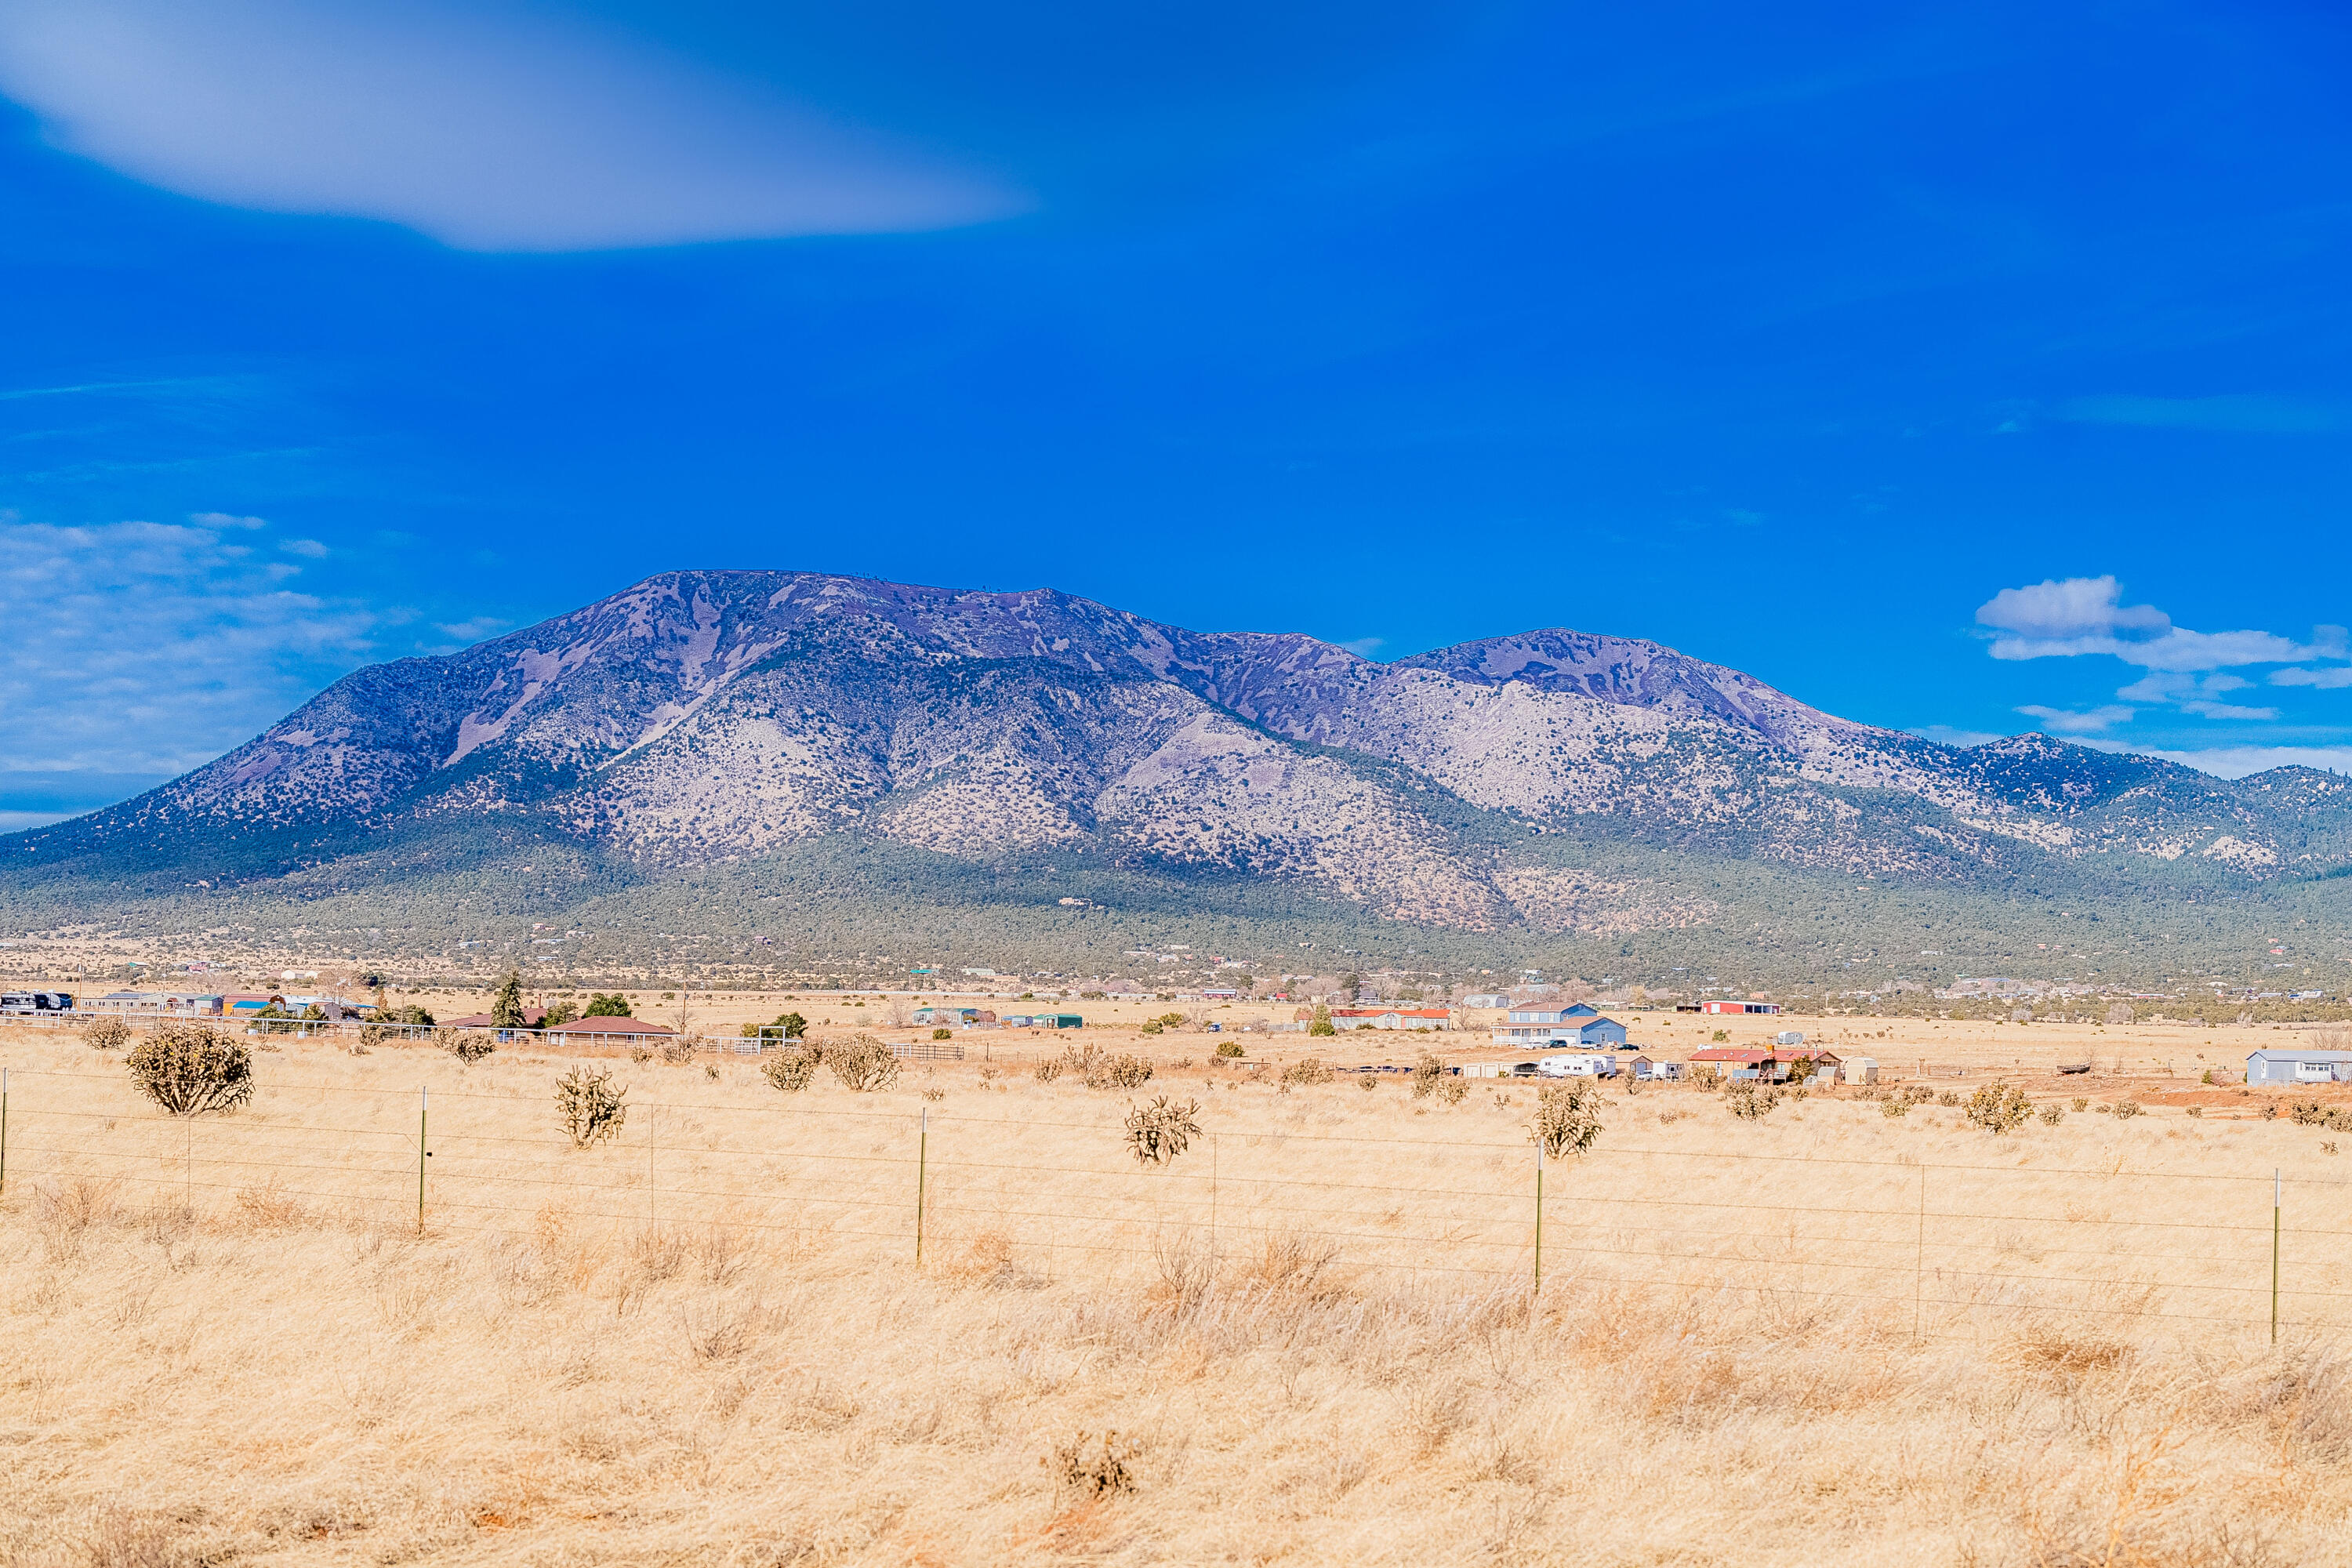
1823, 1335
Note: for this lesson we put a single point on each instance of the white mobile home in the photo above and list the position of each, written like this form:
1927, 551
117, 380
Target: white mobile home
2299, 1067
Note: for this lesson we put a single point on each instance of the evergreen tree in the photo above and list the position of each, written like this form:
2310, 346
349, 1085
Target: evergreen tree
505, 1009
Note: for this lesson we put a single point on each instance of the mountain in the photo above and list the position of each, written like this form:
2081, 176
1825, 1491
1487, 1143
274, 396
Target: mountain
708, 729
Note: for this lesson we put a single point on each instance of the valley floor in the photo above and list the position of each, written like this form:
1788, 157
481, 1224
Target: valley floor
1827, 1336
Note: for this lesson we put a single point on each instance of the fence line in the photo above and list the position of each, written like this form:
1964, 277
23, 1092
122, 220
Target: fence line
1957, 1246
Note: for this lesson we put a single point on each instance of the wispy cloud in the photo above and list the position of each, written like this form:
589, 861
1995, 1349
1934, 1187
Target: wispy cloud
2069, 724
1365, 647
2231, 412
2324, 679
309, 549
144, 648
488, 128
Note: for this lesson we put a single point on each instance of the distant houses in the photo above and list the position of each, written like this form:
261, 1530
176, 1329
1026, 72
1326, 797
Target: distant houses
1738, 1006
1393, 1017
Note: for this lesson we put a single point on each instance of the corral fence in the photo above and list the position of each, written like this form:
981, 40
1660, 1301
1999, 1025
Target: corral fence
1935, 1248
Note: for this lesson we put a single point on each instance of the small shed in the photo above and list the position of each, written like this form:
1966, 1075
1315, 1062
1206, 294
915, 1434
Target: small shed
2289, 1068
1860, 1070
1646, 1071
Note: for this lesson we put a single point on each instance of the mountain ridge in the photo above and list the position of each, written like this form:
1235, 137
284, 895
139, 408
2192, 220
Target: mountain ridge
699, 719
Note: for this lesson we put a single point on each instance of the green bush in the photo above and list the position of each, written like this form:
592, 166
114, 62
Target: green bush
1427, 1074
1321, 1025
1567, 1119
591, 1108
189, 1068
1229, 1049
943, 1034
1997, 1107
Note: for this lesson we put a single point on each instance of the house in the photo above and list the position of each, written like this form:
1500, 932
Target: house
1859, 1069
1739, 1007
607, 1032
1537, 1026
1733, 1061
245, 1004
1221, 994
1648, 1072
156, 1004
533, 1018
1393, 1017
2274, 1067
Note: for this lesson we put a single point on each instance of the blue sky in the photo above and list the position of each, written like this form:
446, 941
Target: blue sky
1965, 369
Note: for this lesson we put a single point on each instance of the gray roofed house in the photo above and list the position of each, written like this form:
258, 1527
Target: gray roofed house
2298, 1067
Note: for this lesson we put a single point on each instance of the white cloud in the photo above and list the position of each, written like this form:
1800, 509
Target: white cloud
225, 519
309, 548
1364, 648
149, 649
2067, 723
2054, 609
489, 126
2324, 679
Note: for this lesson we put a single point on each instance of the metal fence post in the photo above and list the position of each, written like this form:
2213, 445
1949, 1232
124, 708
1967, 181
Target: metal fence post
4, 1130
2274, 1252
1539, 1217
922, 1166
653, 1220
420, 1161
1919, 1257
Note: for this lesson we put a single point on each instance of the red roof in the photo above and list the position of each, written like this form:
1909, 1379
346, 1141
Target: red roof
1384, 1012
610, 1026
1729, 1054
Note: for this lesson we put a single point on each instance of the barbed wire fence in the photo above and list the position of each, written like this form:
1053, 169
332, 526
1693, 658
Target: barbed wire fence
1935, 1248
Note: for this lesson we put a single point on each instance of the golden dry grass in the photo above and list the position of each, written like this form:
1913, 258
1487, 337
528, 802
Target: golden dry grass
709, 1341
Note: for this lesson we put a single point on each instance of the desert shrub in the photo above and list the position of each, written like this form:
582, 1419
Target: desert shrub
1706, 1075
1567, 1119
1150, 1027
1307, 1071
1094, 1468
1895, 1105
1049, 1069
470, 1045
1427, 1074
2207, 1077
2051, 1114
1367, 1080
1997, 1107
864, 1065
1752, 1101
943, 1034
1157, 1133
1229, 1049
589, 1105
677, 1051
2270, 1112
106, 1033
2308, 1112
1949, 1097
1321, 1025
2081, 1104
1454, 1090
2196, 1110
1722, 1037
189, 1068
2126, 1109
793, 1071
1122, 1071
